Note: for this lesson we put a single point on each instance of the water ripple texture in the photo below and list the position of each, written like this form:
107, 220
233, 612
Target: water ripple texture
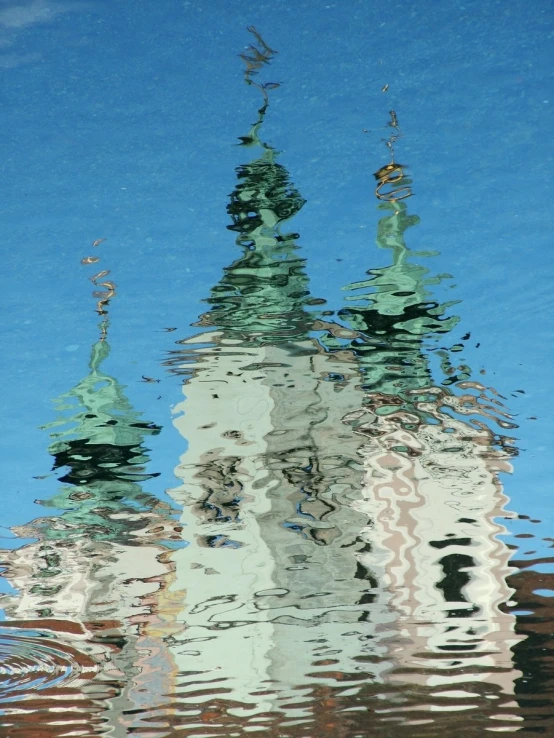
333, 560
36, 661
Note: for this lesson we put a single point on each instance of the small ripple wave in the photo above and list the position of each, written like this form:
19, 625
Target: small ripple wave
33, 660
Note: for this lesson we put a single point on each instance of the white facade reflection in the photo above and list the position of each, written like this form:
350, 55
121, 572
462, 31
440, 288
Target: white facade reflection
341, 507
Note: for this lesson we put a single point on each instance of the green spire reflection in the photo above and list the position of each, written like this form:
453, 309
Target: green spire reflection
103, 457
394, 313
262, 295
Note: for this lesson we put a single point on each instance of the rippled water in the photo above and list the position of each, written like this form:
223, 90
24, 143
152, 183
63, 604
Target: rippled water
338, 556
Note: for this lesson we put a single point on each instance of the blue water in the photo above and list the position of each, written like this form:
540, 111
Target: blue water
121, 121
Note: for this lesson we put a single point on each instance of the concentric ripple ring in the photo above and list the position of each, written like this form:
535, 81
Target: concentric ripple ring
32, 660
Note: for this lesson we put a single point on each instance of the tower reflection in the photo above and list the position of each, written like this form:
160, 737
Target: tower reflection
431, 485
93, 589
345, 567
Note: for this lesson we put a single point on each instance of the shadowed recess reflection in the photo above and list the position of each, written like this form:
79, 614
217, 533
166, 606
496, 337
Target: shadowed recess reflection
345, 568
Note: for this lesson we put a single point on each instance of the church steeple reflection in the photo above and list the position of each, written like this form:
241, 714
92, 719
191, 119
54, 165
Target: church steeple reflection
258, 484
103, 459
431, 488
98, 573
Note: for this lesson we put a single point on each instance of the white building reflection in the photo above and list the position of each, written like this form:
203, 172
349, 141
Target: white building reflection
341, 506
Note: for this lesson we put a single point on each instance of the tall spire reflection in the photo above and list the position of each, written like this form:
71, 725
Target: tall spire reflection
249, 453
432, 488
97, 576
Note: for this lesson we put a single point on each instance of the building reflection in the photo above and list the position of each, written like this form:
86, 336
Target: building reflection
256, 415
431, 488
341, 504
344, 568
95, 585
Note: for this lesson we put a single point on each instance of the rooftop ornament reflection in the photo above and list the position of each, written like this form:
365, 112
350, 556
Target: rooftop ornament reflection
392, 174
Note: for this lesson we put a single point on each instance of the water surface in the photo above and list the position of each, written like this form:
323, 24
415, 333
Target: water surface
281, 471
